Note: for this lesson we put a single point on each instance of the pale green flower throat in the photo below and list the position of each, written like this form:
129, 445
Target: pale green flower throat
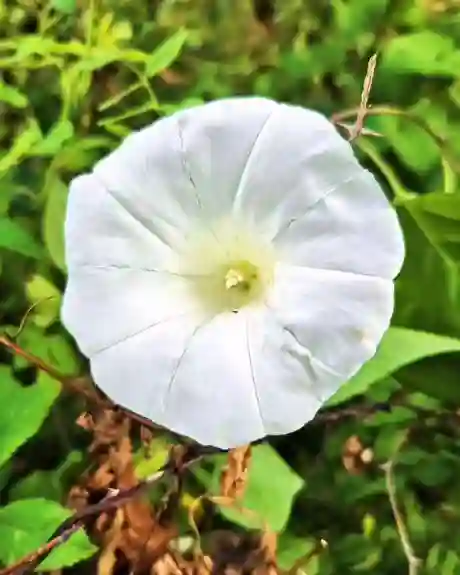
229, 266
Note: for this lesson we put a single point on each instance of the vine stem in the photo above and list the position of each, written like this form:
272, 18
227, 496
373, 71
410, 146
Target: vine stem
413, 561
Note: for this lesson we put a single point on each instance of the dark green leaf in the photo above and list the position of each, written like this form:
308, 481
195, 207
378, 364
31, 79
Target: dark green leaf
438, 215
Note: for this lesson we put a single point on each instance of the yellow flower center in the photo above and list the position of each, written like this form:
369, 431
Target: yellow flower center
229, 266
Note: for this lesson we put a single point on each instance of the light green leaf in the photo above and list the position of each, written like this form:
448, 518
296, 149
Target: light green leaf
122, 31
82, 153
12, 96
46, 298
15, 238
27, 524
166, 53
410, 139
23, 409
425, 52
53, 220
400, 347
269, 494
22, 144
75, 83
64, 6
52, 143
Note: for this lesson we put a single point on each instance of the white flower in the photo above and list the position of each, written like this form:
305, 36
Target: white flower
229, 268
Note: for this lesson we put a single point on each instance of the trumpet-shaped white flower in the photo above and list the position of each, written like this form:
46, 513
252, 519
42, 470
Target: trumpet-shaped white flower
229, 267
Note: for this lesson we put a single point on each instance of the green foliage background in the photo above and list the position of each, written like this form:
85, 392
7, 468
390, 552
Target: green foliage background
75, 77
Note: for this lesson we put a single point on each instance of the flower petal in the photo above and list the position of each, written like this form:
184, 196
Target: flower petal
338, 317
298, 158
213, 397
217, 141
291, 384
136, 372
185, 169
148, 177
99, 231
103, 306
194, 379
354, 229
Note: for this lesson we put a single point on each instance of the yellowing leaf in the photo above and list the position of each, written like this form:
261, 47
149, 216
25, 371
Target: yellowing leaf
53, 221
46, 299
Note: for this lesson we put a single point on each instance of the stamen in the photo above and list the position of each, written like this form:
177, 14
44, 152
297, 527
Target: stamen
234, 279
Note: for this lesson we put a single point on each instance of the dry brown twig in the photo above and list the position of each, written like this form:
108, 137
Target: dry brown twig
178, 462
73, 383
363, 107
358, 129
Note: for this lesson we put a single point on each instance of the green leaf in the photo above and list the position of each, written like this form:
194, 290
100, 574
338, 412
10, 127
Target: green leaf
438, 216
269, 494
64, 6
435, 376
38, 484
82, 153
52, 143
399, 347
27, 524
46, 299
23, 409
51, 485
166, 53
12, 96
409, 139
28, 137
54, 349
16, 239
426, 53
426, 271
53, 221
292, 549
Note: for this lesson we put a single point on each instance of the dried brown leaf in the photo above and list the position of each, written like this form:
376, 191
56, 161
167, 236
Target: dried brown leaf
235, 474
107, 560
